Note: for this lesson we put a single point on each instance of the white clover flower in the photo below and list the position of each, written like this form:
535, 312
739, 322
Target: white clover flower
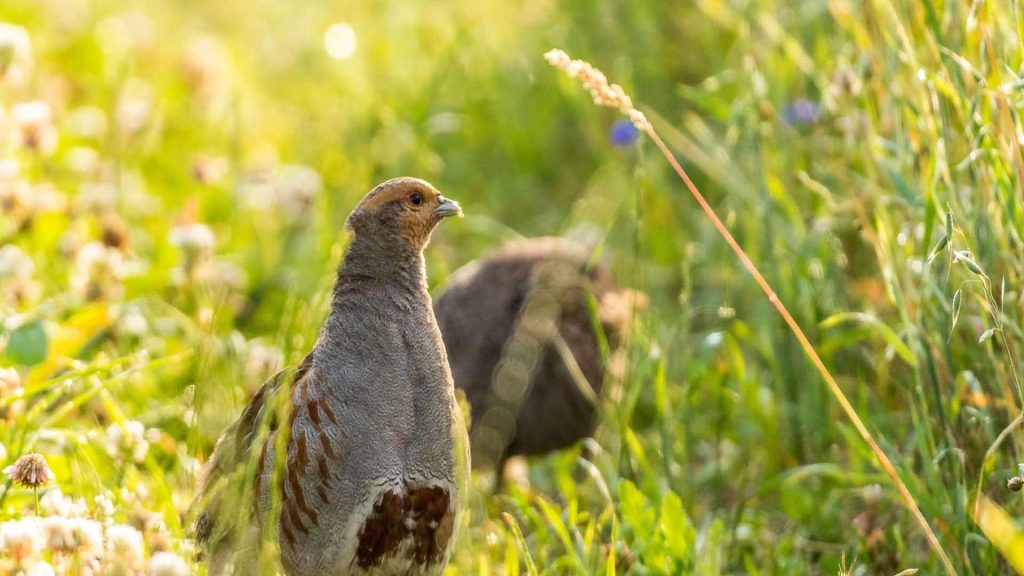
83, 160
36, 130
257, 190
124, 549
21, 539
205, 58
97, 196
47, 198
10, 382
209, 169
134, 107
105, 505
222, 275
167, 564
209, 71
125, 32
137, 494
98, 271
17, 284
128, 439
9, 168
296, 188
193, 239
262, 361
15, 54
15, 191
34, 112
60, 535
87, 122
16, 198
133, 323
55, 503
291, 188
229, 275
40, 568
88, 535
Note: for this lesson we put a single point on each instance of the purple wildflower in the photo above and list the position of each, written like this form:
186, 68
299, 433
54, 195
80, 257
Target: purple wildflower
623, 133
801, 112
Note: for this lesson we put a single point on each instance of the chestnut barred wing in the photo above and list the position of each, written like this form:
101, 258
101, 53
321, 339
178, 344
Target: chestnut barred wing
224, 501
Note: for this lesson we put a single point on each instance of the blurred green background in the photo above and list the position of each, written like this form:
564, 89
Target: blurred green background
172, 217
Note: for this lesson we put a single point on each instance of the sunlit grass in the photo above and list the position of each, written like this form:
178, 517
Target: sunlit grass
173, 181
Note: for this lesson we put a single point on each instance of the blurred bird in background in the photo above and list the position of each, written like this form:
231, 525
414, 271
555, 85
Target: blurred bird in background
523, 327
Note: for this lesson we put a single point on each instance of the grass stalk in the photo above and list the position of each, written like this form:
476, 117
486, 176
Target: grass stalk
613, 96
812, 354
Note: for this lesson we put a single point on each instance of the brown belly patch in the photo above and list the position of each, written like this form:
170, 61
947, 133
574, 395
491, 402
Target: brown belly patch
421, 514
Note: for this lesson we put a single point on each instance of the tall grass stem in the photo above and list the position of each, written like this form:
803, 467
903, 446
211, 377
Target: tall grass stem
611, 95
844, 402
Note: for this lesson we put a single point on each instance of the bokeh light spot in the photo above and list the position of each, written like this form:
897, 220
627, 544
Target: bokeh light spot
340, 41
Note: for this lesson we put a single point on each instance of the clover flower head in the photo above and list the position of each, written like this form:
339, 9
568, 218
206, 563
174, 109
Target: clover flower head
15, 53
60, 535
55, 503
41, 568
30, 471
98, 271
88, 536
193, 239
21, 539
36, 130
128, 438
167, 564
124, 549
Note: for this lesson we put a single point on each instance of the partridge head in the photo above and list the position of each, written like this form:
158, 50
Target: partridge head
362, 470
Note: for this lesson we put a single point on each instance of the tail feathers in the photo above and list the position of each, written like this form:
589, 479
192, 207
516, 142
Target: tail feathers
225, 529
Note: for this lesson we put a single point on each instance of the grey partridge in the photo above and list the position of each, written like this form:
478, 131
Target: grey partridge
524, 345
357, 459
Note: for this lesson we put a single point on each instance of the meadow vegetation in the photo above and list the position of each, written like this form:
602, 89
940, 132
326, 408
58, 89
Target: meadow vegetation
174, 179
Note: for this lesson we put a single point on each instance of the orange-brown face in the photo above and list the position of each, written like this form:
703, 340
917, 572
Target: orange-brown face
409, 207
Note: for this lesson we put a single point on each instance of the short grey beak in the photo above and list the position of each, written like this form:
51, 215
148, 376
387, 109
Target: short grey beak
447, 207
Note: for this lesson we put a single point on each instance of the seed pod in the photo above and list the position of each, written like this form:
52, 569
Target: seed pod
965, 257
1015, 483
938, 247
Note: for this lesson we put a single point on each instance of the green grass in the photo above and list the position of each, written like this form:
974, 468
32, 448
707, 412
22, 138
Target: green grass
890, 224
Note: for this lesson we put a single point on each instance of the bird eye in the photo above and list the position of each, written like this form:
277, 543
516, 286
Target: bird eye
415, 199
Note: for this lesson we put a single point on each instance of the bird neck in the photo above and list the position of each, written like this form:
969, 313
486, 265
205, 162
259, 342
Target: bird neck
381, 264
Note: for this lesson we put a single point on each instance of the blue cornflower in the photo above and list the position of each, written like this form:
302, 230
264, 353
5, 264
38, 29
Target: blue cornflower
801, 112
623, 133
